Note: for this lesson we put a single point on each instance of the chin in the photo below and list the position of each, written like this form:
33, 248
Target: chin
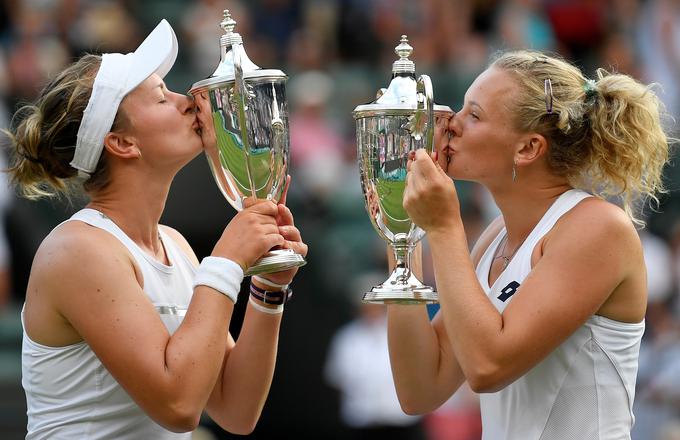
447, 166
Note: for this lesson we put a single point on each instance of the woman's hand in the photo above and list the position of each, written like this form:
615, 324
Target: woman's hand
430, 197
250, 234
293, 240
286, 223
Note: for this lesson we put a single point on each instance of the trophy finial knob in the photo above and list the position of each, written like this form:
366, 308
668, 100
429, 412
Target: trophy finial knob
228, 23
403, 64
404, 49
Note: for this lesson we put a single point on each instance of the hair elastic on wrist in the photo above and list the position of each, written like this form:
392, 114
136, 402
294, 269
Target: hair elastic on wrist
271, 297
268, 310
221, 274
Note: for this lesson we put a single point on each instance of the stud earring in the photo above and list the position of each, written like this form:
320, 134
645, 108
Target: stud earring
514, 171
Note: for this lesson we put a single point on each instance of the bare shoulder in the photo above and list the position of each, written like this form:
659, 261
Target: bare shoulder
67, 266
73, 244
599, 220
181, 242
598, 240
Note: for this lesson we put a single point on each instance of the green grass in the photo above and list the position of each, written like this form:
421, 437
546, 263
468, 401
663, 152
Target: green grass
391, 193
232, 158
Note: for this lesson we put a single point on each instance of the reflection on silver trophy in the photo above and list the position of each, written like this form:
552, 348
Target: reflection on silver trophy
247, 144
401, 120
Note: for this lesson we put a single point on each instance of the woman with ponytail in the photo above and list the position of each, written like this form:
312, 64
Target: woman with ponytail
126, 336
544, 318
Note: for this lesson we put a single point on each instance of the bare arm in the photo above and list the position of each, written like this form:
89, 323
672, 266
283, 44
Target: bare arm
99, 299
568, 284
241, 390
562, 291
425, 370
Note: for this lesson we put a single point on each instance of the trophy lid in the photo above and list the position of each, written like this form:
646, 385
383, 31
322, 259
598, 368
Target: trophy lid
225, 69
401, 96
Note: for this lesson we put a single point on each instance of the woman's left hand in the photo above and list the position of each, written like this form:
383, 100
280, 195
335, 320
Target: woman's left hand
430, 197
292, 236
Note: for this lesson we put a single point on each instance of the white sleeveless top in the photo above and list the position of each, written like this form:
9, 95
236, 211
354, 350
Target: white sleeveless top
584, 389
69, 393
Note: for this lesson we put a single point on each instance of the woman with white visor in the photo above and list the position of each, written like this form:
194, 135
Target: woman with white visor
125, 335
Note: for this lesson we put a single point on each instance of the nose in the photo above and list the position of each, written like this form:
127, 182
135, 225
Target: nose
185, 103
454, 126
190, 104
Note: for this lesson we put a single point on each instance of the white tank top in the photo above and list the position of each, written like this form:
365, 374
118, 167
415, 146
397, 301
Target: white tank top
584, 389
69, 393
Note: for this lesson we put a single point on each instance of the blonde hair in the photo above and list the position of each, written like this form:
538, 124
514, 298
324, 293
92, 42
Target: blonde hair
605, 136
43, 135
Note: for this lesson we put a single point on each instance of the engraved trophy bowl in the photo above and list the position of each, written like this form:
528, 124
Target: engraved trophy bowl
244, 122
402, 119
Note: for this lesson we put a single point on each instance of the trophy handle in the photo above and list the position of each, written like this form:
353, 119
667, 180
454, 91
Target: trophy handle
241, 95
278, 139
426, 105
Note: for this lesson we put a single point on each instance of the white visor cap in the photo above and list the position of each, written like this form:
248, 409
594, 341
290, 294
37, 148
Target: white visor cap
118, 75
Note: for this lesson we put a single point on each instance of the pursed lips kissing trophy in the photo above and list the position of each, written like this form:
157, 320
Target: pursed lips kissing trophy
401, 120
247, 144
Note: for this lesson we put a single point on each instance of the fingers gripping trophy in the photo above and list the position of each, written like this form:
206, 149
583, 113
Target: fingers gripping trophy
402, 119
244, 119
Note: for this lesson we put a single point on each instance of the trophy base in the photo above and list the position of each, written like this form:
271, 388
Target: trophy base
276, 261
401, 288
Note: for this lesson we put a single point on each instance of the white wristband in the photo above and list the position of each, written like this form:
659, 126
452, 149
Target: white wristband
268, 310
221, 274
266, 282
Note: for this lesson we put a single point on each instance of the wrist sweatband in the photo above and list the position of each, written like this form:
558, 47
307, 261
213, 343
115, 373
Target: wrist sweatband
268, 310
221, 274
268, 283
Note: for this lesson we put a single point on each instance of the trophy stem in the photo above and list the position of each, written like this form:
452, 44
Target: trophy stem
402, 287
402, 256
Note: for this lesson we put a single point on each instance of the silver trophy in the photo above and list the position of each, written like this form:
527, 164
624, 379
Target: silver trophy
401, 120
247, 143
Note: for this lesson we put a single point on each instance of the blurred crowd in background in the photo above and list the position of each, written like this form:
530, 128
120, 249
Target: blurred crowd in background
332, 363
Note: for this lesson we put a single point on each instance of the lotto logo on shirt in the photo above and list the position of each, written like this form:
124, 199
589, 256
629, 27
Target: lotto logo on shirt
508, 290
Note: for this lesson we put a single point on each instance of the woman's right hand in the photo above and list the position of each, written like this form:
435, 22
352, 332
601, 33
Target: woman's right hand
250, 234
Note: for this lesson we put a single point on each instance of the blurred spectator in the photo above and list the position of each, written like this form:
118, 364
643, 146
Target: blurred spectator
657, 400
457, 419
337, 53
358, 366
659, 40
660, 349
522, 24
201, 30
316, 153
105, 26
5, 256
579, 25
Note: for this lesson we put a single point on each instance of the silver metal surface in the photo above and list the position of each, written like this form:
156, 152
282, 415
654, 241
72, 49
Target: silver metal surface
244, 118
171, 310
401, 120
